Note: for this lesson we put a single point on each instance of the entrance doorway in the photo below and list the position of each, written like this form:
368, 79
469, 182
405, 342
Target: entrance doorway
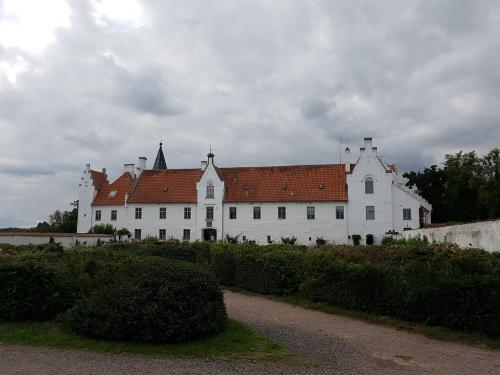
369, 239
210, 234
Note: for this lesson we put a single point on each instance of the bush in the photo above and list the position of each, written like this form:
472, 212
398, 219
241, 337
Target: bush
155, 301
271, 269
33, 290
103, 229
356, 238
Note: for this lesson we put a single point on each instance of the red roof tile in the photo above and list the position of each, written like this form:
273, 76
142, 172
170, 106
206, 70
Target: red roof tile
99, 179
166, 186
298, 183
114, 193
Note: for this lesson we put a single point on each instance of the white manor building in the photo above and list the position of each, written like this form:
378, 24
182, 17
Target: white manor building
330, 201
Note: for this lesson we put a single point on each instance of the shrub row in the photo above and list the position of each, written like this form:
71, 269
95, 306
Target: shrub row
433, 289
270, 269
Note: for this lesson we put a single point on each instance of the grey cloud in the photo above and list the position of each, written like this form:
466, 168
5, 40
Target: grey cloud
263, 82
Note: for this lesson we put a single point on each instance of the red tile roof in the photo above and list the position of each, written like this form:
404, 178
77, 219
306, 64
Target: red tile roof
166, 186
298, 183
99, 179
121, 186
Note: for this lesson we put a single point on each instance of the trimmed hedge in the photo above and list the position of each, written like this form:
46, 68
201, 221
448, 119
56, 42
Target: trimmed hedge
33, 290
154, 301
458, 290
271, 269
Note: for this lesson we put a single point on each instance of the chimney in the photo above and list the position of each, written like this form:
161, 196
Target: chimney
142, 164
347, 160
368, 144
128, 168
103, 171
203, 165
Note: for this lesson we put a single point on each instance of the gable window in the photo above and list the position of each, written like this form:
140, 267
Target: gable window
281, 213
138, 213
370, 212
163, 212
186, 234
137, 234
187, 213
210, 190
113, 215
368, 185
406, 213
311, 213
98, 215
256, 213
339, 212
232, 212
210, 213
162, 234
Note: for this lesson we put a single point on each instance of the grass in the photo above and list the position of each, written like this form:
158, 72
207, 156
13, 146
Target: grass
237, 342
434, 332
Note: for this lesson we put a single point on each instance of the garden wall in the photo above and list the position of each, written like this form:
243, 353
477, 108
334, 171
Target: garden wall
483, 235
67, 240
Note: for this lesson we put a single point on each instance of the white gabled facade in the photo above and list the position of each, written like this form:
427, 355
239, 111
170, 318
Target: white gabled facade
378, 204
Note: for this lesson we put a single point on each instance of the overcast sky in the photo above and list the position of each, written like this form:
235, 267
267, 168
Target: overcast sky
268, 82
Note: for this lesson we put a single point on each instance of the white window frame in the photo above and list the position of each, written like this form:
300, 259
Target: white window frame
98, 215
369, 185
187, 213
370, 210
162, 234
311, 212
339, 210
113, 215
186, 234
138, 213
163, 213
233, 213
282, 213
210, 191
407, 214
257, 213
211, 216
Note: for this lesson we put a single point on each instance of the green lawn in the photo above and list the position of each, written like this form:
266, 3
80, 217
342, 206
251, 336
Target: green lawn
236, 342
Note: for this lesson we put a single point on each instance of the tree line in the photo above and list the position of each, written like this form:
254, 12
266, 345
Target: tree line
466, 187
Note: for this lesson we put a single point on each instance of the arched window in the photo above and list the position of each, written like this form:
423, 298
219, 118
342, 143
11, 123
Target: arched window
210, 190
368, 185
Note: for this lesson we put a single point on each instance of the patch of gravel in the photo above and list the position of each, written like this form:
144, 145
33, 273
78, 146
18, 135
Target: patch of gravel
344, 345
322, 344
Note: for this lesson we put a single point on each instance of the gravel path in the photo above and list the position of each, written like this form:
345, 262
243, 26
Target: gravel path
322, 343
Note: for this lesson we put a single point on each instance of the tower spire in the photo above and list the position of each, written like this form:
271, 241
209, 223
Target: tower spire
160, 159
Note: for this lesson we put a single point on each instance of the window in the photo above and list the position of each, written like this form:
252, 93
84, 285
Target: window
163, 212
406, 213
368, 185
137, 234
281, 213
98, 215
210, 190
311, 212
162, 235
339, 212
269, 239
187, 213
138, 213
370, 212
256, 213
210, 213
113, 215
232, 212
186, 234
244, 238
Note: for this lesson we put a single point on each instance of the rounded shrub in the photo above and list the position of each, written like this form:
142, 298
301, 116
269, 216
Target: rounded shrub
33, 290
156, 300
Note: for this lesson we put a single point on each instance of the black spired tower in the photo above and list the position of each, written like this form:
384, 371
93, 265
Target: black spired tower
160, 160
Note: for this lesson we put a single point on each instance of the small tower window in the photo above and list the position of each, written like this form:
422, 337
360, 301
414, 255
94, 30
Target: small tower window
368, 185
210, 190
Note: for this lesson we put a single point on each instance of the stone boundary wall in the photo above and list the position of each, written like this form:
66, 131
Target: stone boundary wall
482, 235
67, 240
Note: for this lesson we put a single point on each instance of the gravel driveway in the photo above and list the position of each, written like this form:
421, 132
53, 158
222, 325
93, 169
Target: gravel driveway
322, 343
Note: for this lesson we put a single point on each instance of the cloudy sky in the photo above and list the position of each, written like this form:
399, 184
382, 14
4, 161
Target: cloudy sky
266, 82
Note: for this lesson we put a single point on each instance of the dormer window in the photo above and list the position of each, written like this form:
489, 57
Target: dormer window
210, 191
368, 185
112, 194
